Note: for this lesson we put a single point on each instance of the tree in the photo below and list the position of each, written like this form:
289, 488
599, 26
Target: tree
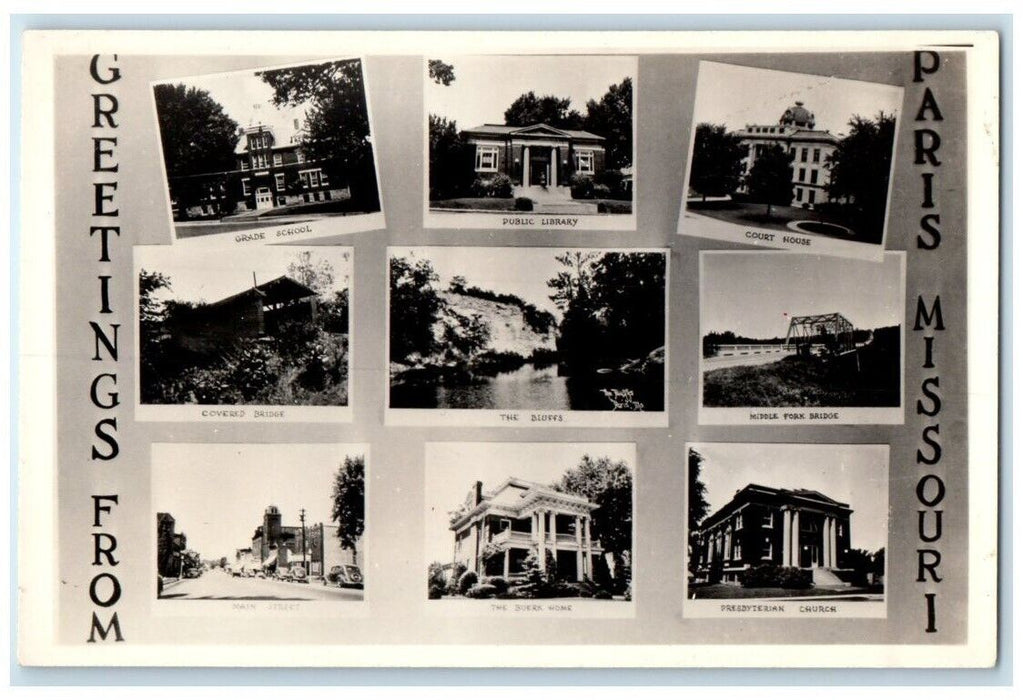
415, 308
336, 120
860, 166
349, 501
698, 506
611, 117
770, 179
315, 273
452, 169
440, 72
528, 109
609, 485
627, 295
196, 134
717, 161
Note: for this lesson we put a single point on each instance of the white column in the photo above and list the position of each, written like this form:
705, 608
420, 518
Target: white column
589, 541
826, 542
554, 536
579, 573
786, 537
541, 546
834, 542
797, 551
525, 166
728, 541
554, 167
507, 561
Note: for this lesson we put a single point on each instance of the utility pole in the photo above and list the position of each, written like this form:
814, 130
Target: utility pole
301, 519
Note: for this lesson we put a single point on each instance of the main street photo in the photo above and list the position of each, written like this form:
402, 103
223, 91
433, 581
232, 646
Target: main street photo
512, 521
259, 522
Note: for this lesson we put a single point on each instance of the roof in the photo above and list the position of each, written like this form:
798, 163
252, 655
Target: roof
755, 492
532, 129
275, 291
793, 135
504, 498
797, 114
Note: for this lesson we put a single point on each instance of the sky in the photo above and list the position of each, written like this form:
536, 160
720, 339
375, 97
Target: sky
217, 493
520, 271
737, 96
853, 474
453, 467
485, 86
750, 293
247, 99
204, 276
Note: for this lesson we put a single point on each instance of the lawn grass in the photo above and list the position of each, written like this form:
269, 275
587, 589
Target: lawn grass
724, 591
751, 214
806, 382
476, 203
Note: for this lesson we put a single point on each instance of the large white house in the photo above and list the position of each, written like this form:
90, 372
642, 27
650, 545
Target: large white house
496, 530
809, 148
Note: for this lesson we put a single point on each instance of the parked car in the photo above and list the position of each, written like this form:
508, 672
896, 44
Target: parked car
344, 576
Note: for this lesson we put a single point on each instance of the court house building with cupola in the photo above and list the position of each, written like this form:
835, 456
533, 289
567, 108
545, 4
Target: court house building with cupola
808, 147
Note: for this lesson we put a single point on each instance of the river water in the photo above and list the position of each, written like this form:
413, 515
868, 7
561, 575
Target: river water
529, 387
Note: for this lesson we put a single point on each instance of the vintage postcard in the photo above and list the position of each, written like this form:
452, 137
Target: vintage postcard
530, 142
788, 160
786, 530
525, 336
262, 335
271, 155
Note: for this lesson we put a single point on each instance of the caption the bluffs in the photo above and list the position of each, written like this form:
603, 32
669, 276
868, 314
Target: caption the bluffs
105, 587
930, 488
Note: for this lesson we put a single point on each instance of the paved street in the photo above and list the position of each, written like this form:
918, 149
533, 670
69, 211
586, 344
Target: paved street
710, 363
218, 585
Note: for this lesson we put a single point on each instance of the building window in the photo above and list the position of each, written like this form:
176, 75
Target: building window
279, 182
486, 159
738, 521
310, 178
802, 175
813, 177
839, 533
768, 519
278, 159
812, 194
246, 190
792, 152
767, 550
300, 156
816, 155
799, 194
245, 164
584, 162
804, 154
737, 550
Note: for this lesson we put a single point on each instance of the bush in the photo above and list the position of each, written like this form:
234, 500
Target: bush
436, 592
601, 191
602, 595
467, 581
774, 576
481, 590
581, 186
500, 584
523, 204
613, 180
456, 574
499, 186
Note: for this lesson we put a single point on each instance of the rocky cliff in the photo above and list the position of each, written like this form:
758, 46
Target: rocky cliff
509, 331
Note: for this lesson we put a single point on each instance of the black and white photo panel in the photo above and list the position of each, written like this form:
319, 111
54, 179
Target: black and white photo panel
259, 335
530, 142
269, 155
790, 160
251, 529
801, 339
529, 530
779, 530
524, 337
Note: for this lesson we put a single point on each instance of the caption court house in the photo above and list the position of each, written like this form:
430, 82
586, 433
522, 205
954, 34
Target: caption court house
763, 525
495, 531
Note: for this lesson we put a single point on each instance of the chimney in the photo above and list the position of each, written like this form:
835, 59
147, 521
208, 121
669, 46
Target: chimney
478, 493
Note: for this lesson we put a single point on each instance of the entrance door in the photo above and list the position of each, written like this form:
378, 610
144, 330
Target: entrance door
264, 199
540, 169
